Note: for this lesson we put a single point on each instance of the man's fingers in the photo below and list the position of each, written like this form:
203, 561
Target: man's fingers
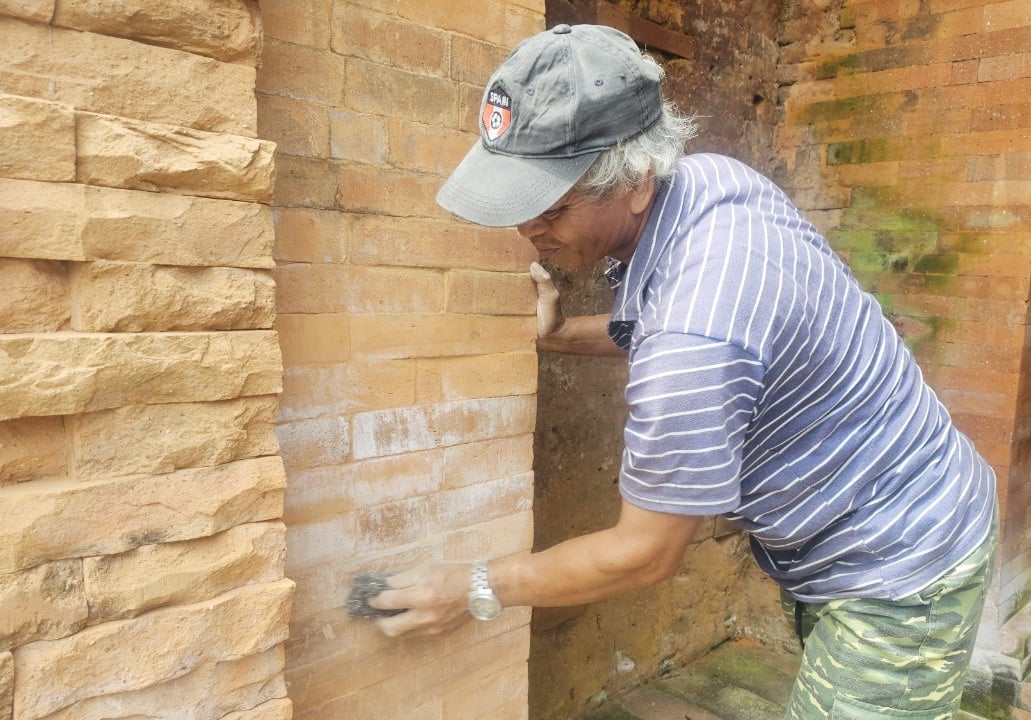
545, 285
390, 600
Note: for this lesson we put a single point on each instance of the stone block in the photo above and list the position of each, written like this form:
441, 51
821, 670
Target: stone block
58, 221
171, 229
227, 30
312, 236
391, 92
42, 603
51, 520
66, 374
37, 139
179, 573
402, 430
309, 288
133, 297
416, 335
212, 690
358, 385
41, 220
483, 293
426, 148
31, 449
6, 686
389, 40
315, 442
36, 10
465, 378
302, 73
124, 153
159, 439
165, 644
116, 76
33, 296
297, 128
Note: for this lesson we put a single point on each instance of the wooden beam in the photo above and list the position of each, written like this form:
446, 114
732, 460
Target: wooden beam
645, 32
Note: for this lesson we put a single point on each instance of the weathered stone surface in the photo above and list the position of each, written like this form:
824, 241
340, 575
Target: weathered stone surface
33, 296
133, 297
37, 139
97, 73
51, 520
223, 29
165, 644
6, 686
38, 10
66, 373
43, 603
31, 449
210, 691
124, 153
281, 709
41, 220
159, 439
175, 230
179, 573
53, 221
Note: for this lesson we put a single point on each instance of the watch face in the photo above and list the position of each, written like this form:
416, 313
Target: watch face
484, 607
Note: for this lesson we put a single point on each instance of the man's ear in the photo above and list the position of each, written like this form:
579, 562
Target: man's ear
641, 196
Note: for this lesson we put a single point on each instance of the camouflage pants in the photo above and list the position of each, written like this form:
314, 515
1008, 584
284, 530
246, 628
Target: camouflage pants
881, 660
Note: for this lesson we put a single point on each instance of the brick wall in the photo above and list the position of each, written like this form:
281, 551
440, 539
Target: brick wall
141, 552
408, 407
906, 139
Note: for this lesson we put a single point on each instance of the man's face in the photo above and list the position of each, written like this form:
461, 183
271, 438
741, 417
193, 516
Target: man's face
578, 231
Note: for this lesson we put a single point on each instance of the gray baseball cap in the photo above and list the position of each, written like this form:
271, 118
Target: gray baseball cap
561, 98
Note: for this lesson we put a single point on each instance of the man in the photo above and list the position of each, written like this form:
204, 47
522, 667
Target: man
764, 385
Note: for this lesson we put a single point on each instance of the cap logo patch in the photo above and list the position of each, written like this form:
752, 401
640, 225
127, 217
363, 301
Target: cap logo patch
497, 113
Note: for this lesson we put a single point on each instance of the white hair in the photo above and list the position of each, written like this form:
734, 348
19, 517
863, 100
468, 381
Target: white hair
656, 150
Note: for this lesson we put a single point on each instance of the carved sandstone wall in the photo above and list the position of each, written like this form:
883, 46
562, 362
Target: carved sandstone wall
141, 551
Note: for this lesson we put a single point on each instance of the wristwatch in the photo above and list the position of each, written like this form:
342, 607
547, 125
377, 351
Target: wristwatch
483, 603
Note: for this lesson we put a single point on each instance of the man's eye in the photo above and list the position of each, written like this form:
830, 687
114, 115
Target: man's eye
552, 214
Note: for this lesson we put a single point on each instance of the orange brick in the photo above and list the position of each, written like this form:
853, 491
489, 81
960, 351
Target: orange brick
381, 240
32, 449
1012, 14
297, 128
355, 386
321, 543
414, 335
307, 24
312, 236
447, 379
496, 538
473, 61
494, 22
368, 189
965, 71
314, 442
359, 32
306, 182
470, 97
974, 403
877, 11
980, 428
483, 293
1002, 193
314, 339
383, 90
1012, 166
507, 700
966, 21
307, 288
471, 463
301, 73
427, 148
1002, 117
358, 137
896, 80
1005, 67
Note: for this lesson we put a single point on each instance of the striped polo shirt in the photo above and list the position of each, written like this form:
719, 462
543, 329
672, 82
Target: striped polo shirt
766, 386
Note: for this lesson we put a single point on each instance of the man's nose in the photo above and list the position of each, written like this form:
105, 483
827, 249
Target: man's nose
531, 228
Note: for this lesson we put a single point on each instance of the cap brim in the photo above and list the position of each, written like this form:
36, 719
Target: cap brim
503, 190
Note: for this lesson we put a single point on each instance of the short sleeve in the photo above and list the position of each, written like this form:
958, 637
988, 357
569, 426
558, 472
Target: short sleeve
691, 400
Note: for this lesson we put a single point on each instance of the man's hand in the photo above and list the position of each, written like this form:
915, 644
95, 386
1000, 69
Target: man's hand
436, 595
549, 309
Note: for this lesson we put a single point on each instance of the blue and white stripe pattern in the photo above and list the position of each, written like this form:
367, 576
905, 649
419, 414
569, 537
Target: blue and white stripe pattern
765, 385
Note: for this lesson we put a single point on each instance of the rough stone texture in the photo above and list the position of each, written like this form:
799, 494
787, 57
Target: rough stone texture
43, 603
6, 686
281, 709
77, 222
38, 10
64, 373
118, 152
57, 519
96, 73
33, 296
133, 297
179, 573
226, 30
37, 139
166, 644
41, 220
32, 449
213, 689
159, 439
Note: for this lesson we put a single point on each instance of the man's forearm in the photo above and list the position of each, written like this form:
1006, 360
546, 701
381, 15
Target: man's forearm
586, 335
